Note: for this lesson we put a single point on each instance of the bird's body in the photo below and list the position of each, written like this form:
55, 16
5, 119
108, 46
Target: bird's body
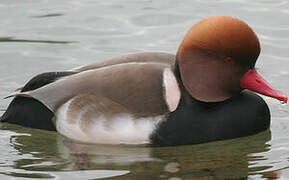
123, 99
155, 98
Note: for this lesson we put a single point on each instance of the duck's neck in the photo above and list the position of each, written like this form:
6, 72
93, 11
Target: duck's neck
185, 96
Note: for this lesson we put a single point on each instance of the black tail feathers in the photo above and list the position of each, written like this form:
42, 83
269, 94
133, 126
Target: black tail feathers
30, 112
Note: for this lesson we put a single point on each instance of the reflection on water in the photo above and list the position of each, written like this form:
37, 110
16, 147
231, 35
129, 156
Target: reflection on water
29, 155
48, 15
37, 36
42, 154
10, 39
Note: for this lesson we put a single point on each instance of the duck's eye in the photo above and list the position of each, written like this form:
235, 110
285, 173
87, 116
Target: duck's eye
229, 60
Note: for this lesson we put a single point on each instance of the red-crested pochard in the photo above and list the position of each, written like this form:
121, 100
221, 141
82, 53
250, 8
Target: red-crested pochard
157, 98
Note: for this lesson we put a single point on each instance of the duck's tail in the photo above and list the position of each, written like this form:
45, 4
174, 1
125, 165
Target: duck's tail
30, 112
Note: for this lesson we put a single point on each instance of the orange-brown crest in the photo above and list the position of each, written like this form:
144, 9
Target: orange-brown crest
225, 36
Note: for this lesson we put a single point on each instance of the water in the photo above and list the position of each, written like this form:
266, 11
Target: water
49, 35
283, 103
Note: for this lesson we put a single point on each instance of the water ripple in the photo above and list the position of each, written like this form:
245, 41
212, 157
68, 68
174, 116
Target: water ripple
159, 19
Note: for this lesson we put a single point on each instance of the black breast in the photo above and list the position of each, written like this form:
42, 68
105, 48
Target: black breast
196, 122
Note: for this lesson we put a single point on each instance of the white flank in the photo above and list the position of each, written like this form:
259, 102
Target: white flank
172, 90
123, 129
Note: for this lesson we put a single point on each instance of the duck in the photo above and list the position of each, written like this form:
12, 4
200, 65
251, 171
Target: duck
206, 92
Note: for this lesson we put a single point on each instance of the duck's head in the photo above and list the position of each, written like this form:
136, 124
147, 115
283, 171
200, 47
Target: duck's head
217, 60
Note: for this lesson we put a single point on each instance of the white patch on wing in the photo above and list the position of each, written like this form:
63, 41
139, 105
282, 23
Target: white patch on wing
172, 90
123, 129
